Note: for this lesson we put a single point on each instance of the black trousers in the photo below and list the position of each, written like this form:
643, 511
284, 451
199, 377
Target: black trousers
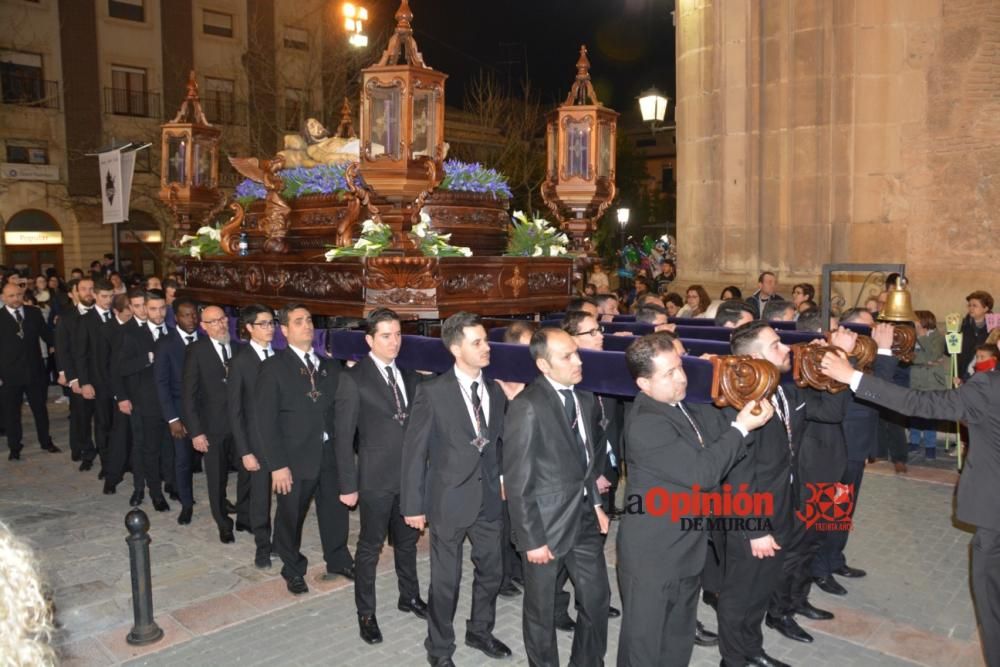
119, 443
830, 553
259, 508
152, 451
747, 586
11, 397
331, 514
217, 460
446, 580
793, 586
588, 570
81, 424
183, 483
892, 436
511, 559
103, 411
658, 620
986, 590
379, 516
715, 554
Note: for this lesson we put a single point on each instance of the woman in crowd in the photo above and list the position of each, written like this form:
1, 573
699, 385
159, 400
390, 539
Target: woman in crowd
698, 302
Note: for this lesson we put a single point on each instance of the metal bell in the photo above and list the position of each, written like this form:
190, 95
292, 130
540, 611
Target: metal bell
898, 306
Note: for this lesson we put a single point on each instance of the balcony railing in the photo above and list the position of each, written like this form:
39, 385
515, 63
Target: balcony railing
30, 91
224, 110
124, 102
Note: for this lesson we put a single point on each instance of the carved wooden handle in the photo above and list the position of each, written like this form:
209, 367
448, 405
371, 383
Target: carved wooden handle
807, 367
904, 342
738, 380
230, 233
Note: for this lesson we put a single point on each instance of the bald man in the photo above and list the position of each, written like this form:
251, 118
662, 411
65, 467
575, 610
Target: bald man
204, 412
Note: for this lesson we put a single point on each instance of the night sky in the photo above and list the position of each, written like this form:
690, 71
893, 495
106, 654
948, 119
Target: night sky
630, 44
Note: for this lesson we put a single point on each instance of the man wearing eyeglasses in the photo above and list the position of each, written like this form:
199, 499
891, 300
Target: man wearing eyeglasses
256, 323
205, 411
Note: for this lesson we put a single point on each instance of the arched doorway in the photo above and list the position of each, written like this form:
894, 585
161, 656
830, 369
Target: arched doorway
141, 244
34, 242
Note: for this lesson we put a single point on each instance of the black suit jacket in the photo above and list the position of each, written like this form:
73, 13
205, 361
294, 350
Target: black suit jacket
609, 433
241, 385
168, 368
977, 404
365, 408
821, 454
66, 340
544, 472
204, 404
133, 370
21, 357
663, 451
861, 421
443, 475
290, 424
92, 351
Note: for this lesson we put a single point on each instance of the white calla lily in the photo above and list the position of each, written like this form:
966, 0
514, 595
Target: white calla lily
330, 255
420, 230
368, 226
538, 251
425, 218
466, 251
520, 216
196, 251
206, 230
187, 238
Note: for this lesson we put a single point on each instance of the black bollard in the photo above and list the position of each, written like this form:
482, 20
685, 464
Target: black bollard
145, 630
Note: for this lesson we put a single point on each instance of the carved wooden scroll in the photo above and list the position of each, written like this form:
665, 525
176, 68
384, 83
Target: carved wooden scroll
904, 342
807, 369
738, 380
864, 352
230, 234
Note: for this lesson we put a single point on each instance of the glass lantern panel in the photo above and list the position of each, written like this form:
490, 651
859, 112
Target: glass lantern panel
383, 121
577, 159
203, 164
177, 148
553, 146
425, 103
604, 149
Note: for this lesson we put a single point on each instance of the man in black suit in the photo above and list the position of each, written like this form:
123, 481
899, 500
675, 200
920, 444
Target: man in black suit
256, 324
22, 372
555, 506
451, 480
205, 413
977, 404
120, 436
81, 412
169, 371
675, 447
372, 403
295, 425
93, 368
137, 396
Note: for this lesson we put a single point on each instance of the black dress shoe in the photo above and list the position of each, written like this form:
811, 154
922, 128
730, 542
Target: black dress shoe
614, 612
488, 644
764, 660
14, 455
297, 586
184, 518
52, 449
346, 572
789, 627
441, 662
160, 504
850, 572
242, 527
369, 630
86, 465
136, 499
262, 561
711, 599
109, 487
704, 637
509, 590
806, 609
566, 624
416, 606
830, 585
230, 508
226, 535
75, 456
172, 493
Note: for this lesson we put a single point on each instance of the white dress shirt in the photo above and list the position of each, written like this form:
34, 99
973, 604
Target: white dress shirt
260, 350
156, 329
579, 413
315, 364
217, 346
465, 382
382, 368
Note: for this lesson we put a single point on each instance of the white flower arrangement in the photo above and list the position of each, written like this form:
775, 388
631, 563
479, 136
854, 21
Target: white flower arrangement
205, 242
376, 237
536, 237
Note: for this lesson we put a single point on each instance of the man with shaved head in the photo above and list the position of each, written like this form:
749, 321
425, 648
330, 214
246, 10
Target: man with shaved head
204, 412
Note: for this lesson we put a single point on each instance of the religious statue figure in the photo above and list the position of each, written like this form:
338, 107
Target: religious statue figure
275, 222
315, 146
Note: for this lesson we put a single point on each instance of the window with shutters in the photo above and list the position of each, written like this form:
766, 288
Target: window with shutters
217, 23
129, 10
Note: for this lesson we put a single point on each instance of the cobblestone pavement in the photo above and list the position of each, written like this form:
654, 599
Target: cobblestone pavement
216, 609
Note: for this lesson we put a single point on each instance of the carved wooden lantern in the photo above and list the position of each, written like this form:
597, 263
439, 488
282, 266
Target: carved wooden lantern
189, 166
402, 118
580, 174
738, 380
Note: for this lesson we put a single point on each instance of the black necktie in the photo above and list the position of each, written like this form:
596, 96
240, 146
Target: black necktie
309, 363
189, 339
267, 353
391, 379
106, 316
569, 406
225, 354
477, 406
18, 316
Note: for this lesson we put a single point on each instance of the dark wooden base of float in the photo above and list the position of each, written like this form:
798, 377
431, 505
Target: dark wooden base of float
421, 287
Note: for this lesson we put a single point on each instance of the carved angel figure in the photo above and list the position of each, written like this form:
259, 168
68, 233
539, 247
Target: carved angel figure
275, 222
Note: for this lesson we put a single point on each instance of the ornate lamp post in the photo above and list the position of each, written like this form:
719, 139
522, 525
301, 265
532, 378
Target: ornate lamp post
653, 108
580, 180
189, 166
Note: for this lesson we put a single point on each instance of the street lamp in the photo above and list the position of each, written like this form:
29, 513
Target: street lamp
623, 214
653, 107
354, 18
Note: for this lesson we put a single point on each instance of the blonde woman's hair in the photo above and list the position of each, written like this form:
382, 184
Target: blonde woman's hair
25, 613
